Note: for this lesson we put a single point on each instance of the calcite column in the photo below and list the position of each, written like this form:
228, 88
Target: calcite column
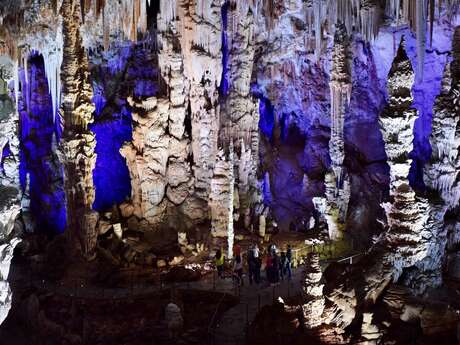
340, 86
337, 182
221, 198
147, 158
312, 292
193, 30
78, 142
334, 206
240, 115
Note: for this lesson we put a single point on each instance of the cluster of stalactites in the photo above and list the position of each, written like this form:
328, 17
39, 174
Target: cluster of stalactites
360, 16
416, 13
18, 39
131, 17
50, 47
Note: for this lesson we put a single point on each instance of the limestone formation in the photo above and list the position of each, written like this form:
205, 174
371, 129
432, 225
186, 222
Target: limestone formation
147, 158
312, 289
240, 117
78, 143
6, 295
406, 214
337, 182
221, 198
340, 86
10, 204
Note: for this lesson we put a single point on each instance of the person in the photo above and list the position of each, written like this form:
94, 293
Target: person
236, 250
258, 261
220, 260
174, 320
269, 267
289, 261
238, 269
251, 265
283, 264
256, 251
276, 265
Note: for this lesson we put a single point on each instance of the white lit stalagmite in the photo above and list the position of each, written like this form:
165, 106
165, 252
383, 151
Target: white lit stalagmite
78, 142
312, 292
407, 213
221, 198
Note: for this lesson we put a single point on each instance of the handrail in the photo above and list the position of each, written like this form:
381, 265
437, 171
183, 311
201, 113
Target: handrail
210, 327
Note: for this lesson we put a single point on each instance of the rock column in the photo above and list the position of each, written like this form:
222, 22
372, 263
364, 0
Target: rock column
78, 142
312, 289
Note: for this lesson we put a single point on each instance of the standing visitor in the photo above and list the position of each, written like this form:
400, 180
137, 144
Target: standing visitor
256, 251
252, 265
283, 265
289, 261
238, 269
269, 267
258, 262
220, 261
236, 250
276, 265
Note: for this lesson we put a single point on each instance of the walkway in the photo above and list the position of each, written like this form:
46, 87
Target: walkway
231, 329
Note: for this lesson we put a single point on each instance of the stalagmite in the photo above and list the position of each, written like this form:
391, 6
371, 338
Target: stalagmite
312, 292
221, 198
406, 215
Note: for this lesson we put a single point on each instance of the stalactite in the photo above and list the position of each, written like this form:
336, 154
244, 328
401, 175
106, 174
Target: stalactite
421, 24
393, 9
370, 15
168, 10
318, 14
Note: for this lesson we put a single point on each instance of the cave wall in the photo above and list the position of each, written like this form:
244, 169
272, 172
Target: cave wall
256, 74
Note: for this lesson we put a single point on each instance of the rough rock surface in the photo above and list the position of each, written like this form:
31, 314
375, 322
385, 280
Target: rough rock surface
78, 142
312, 288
